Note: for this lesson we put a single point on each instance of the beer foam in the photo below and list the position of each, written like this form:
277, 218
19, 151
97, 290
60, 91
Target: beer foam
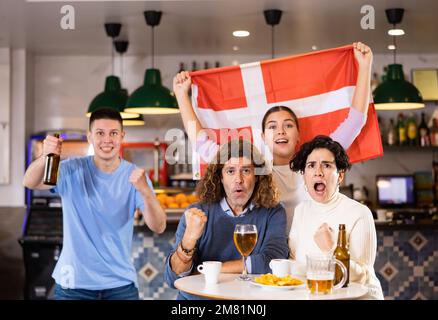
329, 275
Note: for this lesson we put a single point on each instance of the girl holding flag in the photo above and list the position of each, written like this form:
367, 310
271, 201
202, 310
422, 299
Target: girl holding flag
280, 130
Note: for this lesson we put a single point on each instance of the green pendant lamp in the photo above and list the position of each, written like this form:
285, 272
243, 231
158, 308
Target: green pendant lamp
395, 93
152, 97
113, 95
138, 121
135, 121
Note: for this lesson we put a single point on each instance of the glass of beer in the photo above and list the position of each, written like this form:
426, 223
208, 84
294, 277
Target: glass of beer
245, 239
320, 274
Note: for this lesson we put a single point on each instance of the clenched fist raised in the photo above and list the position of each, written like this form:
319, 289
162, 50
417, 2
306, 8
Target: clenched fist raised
195, 224
138, 180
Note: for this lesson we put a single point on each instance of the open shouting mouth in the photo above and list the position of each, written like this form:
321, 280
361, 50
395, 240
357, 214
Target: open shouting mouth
282, 141
319, 187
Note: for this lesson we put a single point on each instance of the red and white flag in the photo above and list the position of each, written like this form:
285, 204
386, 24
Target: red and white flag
317, 86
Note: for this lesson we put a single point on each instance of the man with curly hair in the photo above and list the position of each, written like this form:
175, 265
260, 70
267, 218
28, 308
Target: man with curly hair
236, 189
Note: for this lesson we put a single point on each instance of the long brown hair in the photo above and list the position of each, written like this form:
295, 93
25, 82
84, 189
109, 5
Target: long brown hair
211, 190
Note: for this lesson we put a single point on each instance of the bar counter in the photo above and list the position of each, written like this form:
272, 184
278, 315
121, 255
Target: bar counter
407, 259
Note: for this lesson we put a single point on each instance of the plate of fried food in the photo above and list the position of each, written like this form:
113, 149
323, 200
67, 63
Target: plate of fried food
270, 281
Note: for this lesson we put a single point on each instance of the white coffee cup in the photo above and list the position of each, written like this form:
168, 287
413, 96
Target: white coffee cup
211, 271
281, 267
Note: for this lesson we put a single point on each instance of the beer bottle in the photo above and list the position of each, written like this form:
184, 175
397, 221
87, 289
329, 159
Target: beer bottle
434, 132
401, 127
423, 132
391, 134
382, 129
181, 67
343, 255
411, 130
51, 168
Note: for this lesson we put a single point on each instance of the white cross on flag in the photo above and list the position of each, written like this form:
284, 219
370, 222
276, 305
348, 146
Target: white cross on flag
317, 86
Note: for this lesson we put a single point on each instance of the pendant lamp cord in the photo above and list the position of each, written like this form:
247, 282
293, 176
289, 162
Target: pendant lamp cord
272, 41
153, 51
112, 56
121, 67
395, 46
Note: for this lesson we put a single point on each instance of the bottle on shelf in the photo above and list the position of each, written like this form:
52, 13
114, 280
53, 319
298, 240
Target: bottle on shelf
217, 64
374, 81
194, 66
401, 130
382, 129
434, 133
342, 253
206, 65
51, 168
391, 139
412, 132
423, 132
181, 67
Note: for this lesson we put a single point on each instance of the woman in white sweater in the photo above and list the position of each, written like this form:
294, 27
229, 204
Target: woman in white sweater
323, 163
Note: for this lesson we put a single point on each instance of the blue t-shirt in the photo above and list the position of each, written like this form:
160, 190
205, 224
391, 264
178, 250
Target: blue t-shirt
98, 217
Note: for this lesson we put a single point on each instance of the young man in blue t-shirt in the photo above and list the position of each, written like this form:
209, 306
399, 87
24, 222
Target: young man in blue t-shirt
100, 194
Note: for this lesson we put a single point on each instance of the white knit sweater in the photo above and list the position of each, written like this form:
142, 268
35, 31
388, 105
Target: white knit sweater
291, 188
361, 235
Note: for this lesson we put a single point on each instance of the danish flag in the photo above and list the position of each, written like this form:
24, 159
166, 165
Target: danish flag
317, 86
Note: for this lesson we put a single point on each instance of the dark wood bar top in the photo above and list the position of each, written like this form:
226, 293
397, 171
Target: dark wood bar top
403, 225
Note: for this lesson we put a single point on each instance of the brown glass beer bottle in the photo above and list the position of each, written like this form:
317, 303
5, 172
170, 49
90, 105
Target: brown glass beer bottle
342, 253
51, 168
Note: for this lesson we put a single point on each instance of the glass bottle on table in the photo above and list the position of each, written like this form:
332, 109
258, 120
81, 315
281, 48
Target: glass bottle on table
245, 240
423, 132
342, 253
51, 168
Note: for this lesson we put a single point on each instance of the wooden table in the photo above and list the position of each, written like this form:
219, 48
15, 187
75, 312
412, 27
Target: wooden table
229, 288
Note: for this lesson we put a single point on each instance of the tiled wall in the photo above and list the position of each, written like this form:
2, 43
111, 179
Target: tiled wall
149, 252
406, 263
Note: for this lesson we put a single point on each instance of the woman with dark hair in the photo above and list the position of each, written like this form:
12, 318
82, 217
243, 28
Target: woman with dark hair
280, 130
234, 190
323, 163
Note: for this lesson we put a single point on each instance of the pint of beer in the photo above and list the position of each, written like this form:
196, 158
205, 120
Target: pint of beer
320, 283
320, 274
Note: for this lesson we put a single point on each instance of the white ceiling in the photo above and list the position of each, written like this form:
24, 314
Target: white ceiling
205, 27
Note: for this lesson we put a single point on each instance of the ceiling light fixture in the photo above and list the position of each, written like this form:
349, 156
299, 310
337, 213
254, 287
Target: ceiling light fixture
121, 47
395, 93
241, 33
113, 96
272, 17
396, 32
152, 97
